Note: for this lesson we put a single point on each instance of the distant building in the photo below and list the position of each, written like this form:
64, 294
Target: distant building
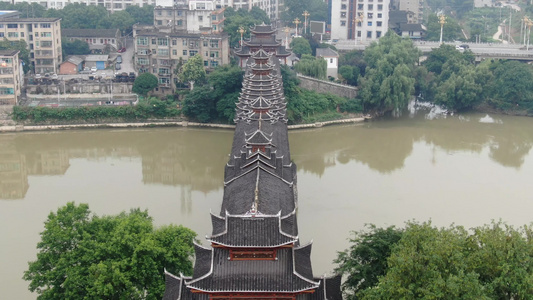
332, 58
42, 35
364, 20
110, 5
415, 7
10, 77
99, 40
484, 3
98, 61
398, 22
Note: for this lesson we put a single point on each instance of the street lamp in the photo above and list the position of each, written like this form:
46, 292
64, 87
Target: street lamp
305, 14
241, 30
356, 20
296, 22
529, 24
442, 21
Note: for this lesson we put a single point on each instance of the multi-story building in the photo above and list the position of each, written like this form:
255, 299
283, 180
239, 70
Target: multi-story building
415, 9
363, 20
111, 5
43, 37
10, 77
180, 32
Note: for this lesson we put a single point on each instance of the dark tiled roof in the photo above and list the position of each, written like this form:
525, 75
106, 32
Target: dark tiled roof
90, 33
326, 52
252, 275
302, 261
253, 231
8, 52
411, 27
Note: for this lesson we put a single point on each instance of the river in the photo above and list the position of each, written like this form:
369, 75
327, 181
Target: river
463, 169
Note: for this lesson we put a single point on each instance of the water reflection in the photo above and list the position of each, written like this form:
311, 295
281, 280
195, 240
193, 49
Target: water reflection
194, 158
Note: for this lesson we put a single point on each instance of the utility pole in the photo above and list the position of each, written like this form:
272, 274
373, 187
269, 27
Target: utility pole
510, 21
442, 21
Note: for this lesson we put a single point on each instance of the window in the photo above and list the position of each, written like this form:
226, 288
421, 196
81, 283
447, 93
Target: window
153, 41
163, 52
179, 22
46, 44
359, 34
193, 52
13, 25
164, 71
200, 18
214, 17
378, 34
214, 27
331, 60
118, 5
380, 16
370, 15
214, 63
214, 54
370, 6
252, 254
1, 34
343, 23
343, 14
7, 91
369, 23
159, 13
46, 34
174, 52
343, 6
45, 25
206, 63
1, 25
169, 13
379, 23
174, 42
205, 43
360, 6
380, 6
180, 13
184, 42
164, 81
213, 43
162, 41
159, 22
369, 34
143, 41
142, 61
13, 34
184, 52
142, 52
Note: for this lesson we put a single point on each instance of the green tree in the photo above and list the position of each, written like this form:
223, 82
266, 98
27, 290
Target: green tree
311, 66
75, 47
349, 74
122, 20
21, 46
389, 81
144, 83
143, 15
318, 10
366, 259
242, 18
84, 256
300, 46
512, 86
429, 263
193, 71
200, 104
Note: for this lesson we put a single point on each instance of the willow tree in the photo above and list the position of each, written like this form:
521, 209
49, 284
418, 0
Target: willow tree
389, 78
311, 66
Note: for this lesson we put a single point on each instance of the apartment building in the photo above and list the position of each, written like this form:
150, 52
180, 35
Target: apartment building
414, 7
110, 5
42, 35
10, 77
180, 32
363, 20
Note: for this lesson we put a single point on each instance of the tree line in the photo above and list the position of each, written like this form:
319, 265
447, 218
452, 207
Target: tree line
422, 261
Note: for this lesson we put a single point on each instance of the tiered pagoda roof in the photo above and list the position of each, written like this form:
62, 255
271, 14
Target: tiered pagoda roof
255, 250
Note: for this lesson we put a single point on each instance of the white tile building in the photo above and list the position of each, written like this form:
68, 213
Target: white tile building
111, 5
366, 21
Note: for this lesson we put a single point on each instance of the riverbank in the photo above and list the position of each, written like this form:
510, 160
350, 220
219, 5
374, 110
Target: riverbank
158, 123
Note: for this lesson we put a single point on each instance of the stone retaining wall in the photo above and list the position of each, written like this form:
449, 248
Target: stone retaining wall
17, 128
84, 87
324, 86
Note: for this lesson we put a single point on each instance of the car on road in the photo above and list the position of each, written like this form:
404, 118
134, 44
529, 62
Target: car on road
459, 48
54, 76
94, 69
117, 66
119, 59
123, 49
38, 76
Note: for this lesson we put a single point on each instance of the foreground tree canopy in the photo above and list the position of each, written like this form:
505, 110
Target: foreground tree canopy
83, 256
425, 262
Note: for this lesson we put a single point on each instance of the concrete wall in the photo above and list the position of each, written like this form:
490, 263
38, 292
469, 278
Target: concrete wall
81, 88
323, 86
